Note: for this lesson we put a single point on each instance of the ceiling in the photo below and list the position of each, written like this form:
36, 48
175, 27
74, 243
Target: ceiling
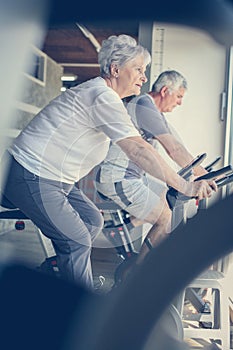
69, 46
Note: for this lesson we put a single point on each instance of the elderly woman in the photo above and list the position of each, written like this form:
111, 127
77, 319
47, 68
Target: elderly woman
67, 139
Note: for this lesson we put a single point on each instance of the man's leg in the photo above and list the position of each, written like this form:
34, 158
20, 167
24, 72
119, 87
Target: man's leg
160, 218
145, 201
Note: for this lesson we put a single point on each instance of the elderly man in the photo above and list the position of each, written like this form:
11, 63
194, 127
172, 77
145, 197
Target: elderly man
127, 184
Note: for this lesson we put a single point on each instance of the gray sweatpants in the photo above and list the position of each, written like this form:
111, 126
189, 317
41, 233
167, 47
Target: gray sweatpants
63, 213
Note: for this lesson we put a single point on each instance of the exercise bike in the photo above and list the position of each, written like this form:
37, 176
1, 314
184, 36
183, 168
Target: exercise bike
176, 203
171, 320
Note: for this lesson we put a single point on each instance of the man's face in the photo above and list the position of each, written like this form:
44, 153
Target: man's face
171, 99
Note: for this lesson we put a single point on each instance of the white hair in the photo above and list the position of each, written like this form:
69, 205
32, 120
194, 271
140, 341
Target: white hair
170, 78
119, 50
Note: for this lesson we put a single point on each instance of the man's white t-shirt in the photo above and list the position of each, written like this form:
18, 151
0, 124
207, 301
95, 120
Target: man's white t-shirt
71, 135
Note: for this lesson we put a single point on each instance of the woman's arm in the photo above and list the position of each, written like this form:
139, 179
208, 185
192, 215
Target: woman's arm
148, 158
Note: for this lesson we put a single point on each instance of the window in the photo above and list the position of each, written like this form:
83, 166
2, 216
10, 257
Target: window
38, 67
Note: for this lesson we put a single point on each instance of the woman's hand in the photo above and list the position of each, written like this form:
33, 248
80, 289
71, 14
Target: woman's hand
200, 189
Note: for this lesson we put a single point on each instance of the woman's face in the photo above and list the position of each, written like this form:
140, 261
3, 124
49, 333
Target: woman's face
131, 77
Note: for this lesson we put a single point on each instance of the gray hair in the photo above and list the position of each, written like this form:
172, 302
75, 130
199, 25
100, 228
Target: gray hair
170, 78
119, 50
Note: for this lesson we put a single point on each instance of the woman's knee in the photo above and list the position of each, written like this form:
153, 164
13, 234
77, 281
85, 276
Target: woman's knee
70, 246
95, 224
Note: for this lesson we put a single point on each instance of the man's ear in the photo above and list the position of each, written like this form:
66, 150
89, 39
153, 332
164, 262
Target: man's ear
164, 91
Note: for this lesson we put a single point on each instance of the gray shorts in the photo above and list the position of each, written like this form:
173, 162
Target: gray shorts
137, 196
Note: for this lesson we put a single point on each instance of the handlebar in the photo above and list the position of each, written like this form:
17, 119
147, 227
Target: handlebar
214, 174
224, 181
173, 195
210, 166
187, 170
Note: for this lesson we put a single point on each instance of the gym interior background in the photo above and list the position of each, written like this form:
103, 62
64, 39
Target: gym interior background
205, 119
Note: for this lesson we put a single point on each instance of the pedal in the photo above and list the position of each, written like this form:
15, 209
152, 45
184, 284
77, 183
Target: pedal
99, 285
49, 266
206, 325
206, 309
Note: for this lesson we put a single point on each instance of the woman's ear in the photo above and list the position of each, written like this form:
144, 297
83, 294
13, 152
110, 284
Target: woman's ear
114, 70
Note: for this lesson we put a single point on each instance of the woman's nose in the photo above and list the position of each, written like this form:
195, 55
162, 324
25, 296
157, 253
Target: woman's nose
144, 78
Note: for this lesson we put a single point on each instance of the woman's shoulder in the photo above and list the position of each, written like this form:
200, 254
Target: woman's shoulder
96, 87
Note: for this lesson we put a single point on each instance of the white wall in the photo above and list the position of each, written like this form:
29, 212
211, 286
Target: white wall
202, 61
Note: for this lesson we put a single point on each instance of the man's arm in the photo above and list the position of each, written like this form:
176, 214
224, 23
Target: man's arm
148, 158
178, 153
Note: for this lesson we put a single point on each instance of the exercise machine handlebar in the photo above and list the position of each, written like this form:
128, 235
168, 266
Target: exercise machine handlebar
173, 195
214, 174
187, 170
225, 180
209, 167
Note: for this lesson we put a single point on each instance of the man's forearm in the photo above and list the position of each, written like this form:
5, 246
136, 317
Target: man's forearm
175, 149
